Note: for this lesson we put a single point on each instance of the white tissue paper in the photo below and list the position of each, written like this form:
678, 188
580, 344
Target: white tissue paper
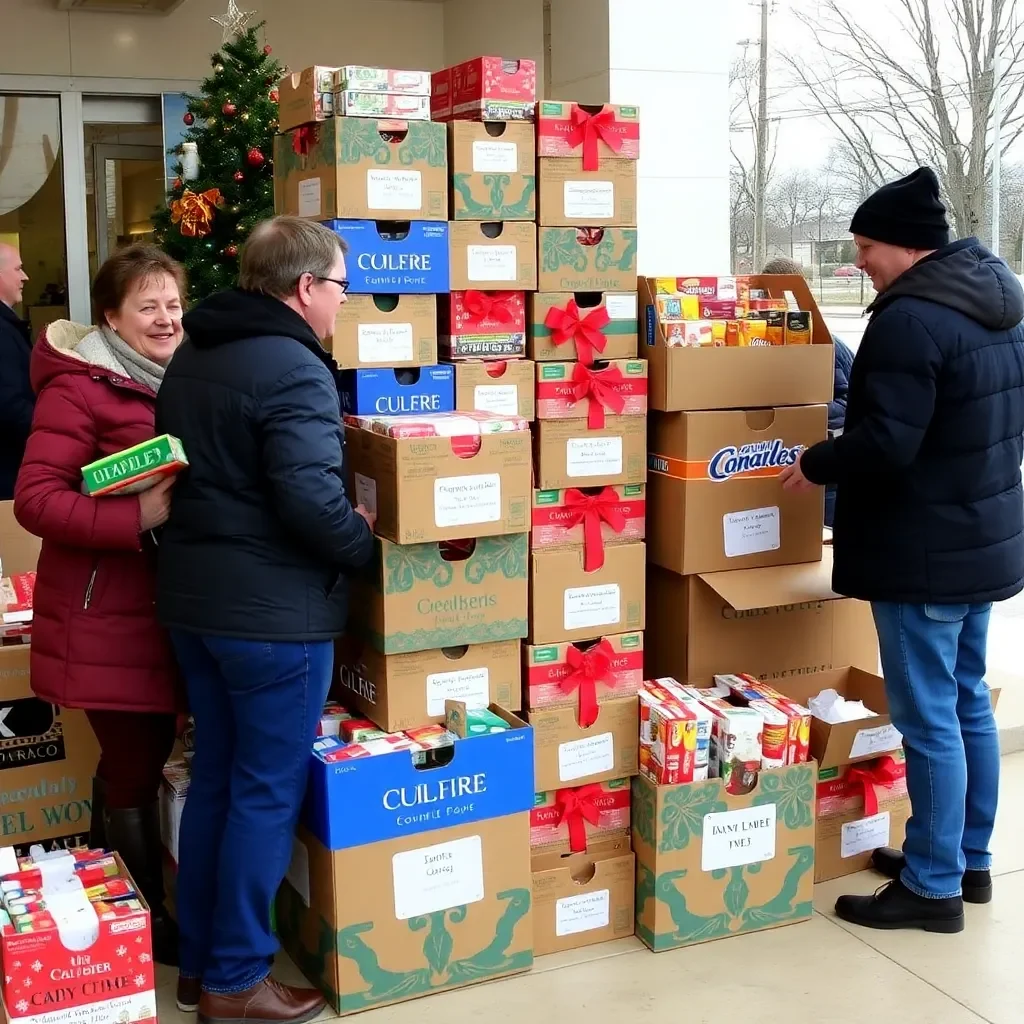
832, 707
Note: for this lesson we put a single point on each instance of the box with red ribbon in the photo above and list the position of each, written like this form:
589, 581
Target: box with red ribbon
485, 89
589, 518
502, 386
572, 819
569, 454
575, 391
591, 133
478, 324
585, 327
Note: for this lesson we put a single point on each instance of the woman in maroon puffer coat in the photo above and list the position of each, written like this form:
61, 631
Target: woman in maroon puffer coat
96, 643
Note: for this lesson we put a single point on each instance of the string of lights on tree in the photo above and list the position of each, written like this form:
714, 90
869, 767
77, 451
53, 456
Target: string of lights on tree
225, 176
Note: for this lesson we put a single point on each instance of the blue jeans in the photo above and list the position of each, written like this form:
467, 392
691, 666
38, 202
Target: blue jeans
256, 707
933, 657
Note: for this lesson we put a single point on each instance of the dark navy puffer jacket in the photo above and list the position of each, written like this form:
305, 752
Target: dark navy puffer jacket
929, 506
261, 534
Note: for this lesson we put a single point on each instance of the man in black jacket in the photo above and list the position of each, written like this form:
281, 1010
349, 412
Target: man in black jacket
930, 529
252, 585
17, 402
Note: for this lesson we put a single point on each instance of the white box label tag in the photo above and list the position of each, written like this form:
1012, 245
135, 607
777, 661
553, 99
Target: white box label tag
590, 607
864, 836
502, 399
438, 877
467, 500
589, 756
593, 456
620, 307
310, 204
879, 740
495, 157
589, 200
385, 343
584, 913
752, 531
492, 262
470, 685
739, 837
394, 190
366, 492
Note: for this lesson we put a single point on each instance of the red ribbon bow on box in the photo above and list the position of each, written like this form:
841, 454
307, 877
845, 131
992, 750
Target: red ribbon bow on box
585, 130
599, 387
567, 325
577, 806
303, 138
592, 510
480, 306
586, 670
884, 772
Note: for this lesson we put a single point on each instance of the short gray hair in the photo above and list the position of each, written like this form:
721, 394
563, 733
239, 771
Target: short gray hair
783, 265
280, 250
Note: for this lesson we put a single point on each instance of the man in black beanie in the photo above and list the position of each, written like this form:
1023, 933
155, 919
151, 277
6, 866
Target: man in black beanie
929, 527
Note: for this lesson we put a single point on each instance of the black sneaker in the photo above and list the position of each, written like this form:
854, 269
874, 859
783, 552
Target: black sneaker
976, 885
895, 906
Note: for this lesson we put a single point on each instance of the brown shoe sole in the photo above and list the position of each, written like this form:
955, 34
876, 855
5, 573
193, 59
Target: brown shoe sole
303, 1019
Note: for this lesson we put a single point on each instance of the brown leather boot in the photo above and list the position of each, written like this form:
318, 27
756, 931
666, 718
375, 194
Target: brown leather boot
269, 1002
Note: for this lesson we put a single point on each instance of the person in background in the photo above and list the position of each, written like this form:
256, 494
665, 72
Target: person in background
96, 642
253, 587
841, 387
930, 529
17, 399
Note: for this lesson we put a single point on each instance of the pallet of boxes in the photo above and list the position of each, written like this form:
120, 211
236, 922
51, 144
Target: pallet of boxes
742, 608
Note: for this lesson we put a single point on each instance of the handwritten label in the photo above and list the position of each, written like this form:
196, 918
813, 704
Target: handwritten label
620, 307
589, 200
751, 532
502, 399
385, 343
584, 913
470, 685
866, 835
310, 203
394, 190
589, 607
466, 500
366, 492
438, 877
590, 756
879, 740
593, 456
492, 262
495, 157
732, 838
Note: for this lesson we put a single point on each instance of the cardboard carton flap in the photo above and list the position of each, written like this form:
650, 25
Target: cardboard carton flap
747, 589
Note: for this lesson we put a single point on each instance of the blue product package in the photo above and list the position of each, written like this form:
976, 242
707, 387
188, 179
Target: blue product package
406, 390
395, 257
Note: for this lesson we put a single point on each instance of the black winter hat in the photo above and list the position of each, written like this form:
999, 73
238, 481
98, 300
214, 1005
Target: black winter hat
907, 213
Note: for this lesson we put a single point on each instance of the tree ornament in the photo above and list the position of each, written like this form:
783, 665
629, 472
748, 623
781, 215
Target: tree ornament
233, 21
189, 118
177, 184
218, 69
211, 122
229, 109
244, 115
231, 251
239, 176
275, 96
194, 212
267, 51
255, 158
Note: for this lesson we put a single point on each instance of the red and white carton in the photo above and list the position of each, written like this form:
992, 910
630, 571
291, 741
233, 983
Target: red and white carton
485, 89
16, 603
668, 737
569, 820
588, 518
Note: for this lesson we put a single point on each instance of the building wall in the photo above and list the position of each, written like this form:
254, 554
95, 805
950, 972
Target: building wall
473, 28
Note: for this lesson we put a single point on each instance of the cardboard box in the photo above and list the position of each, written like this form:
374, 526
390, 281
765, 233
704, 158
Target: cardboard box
561, 517
602, 325
562, 129
711, 864
416, 597
404, 691
483, 325
571, 195
582, 899
685, 379
774, 623
568, 454
394, 258
594, 259
715, 499
364, 79
575, 819
501, 256
504, 387
485, 89
414, 389
568, 603
423, 491
568, 755
349, 103
385, 331
304, 97
356, 167
573, 391
493, 167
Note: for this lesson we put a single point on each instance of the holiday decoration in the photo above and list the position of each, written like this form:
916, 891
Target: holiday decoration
231, 125
233, 22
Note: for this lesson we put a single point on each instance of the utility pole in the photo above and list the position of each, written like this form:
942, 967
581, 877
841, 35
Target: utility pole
997, 151
761, 151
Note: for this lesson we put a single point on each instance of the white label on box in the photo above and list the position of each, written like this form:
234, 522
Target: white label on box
297, 875
366, 492
865, 836
310, 204
495, 157
502, 399
590, 756
589, 200
470, 685
620, 307
593, 456
394, 190
752, 531
584, 913
467, 500
732, 838
586, 607
492, 262
438, 877
385, 343
879, 740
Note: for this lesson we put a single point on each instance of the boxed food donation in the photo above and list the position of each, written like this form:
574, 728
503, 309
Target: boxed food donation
583, 325
493, 169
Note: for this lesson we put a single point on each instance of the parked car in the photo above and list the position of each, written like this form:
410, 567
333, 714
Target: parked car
846, 270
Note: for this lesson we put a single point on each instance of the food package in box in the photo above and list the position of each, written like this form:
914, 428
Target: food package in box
443, 424
401, 106
357, 78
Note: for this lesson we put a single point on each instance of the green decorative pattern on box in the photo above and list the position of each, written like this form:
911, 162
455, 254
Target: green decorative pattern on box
500, 206
312, 963
560, 249
439, 971
431, 639
682, 817
793, 793
407, 564
641, 802
136, 468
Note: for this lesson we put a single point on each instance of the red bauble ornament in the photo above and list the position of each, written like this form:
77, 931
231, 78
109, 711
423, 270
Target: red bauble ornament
231, 251
189, 118
267, 51
255, 158
229, 109
177, 184
238, 176
274, 95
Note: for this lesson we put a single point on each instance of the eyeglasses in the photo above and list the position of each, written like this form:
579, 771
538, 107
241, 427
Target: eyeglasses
341, 282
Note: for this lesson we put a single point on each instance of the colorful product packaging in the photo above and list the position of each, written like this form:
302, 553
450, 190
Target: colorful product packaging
798, 328
735, 743
357, 730
382, 104
16, 602
617, 387
483, 325
668, 739
331, 720
590, 518
357, 78
454, 424
135, 469
485, 89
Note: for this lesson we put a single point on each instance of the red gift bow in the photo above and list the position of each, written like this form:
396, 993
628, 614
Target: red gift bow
567, 325
303, 138
577, 806
480, 306
586, 670
599, 387
585, 129
883, 772
591, 510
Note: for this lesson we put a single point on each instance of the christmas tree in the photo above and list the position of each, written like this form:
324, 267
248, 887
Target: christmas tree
212, 207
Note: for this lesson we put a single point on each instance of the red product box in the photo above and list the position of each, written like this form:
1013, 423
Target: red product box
473, 313
570, 819
567, 518
485, 89
563, 130
569, 391
556, 674
668, 736
718, 309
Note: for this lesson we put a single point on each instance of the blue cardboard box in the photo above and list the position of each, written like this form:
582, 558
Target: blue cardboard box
388, 796
395, 392
395, 257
